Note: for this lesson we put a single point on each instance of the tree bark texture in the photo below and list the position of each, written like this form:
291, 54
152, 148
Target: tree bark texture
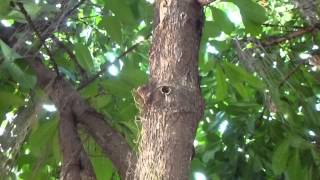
64, 96
171, 104
76, 163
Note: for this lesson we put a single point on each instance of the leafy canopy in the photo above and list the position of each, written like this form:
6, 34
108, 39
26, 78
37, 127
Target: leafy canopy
262, 102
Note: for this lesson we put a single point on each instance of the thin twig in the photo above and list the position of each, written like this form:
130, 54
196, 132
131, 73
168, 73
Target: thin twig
38, 34
103, 69
73, 9
292, 35
58, 20
282, 26
295, 69
90, 25
71, 55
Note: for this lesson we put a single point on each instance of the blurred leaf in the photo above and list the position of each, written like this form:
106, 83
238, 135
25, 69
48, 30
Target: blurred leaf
84, 57
102, 167
222, 87
5, 7
25, 80
122, 11
133, 75
280, 157
42, 137
8, 99
253, 15
8, 53
295, 170
101, 101
237, 74
221, 20
113, 27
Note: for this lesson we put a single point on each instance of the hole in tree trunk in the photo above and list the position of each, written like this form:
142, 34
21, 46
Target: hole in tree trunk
165, 90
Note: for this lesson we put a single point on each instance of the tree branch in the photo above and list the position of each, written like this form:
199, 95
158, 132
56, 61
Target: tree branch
38, 34
61, 92
294, 70
295, 34
71, 55
76, 163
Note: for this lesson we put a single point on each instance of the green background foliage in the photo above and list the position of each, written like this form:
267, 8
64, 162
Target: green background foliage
262, 104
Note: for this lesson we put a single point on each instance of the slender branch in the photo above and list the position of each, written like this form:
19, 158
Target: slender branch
71, 55
103, 69
38, 34
278, 40
90, 25
282, 26
295, 69
67, 14
59, 19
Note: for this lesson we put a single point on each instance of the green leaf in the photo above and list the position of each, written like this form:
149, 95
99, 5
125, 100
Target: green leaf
113, 27
237, 74
211, 30
8, 53
64, 62
5, 7
253, 15
103, 167
25, 80
221, 46
101, 101
133, 75
84, 57
90, 90
117, 87
280, 157
222, 87
42, 137
241, 90
295, 169
56, 148
221, 20
122, 11
32, 9
8, 99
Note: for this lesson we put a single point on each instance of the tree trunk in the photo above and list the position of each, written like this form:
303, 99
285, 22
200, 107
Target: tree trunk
171, 104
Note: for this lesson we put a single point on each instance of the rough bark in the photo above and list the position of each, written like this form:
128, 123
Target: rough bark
62, 92
171, 104
76, 163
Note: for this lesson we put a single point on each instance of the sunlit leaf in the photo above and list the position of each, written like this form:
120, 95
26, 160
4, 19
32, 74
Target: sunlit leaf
84, 57
222, 87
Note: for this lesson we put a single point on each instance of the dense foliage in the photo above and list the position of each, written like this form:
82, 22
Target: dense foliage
259, 77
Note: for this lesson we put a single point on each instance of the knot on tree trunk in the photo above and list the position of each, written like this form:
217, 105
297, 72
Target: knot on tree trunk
171, 98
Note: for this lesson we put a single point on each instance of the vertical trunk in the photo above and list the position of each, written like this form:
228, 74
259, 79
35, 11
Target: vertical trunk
171, 103
76, 164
